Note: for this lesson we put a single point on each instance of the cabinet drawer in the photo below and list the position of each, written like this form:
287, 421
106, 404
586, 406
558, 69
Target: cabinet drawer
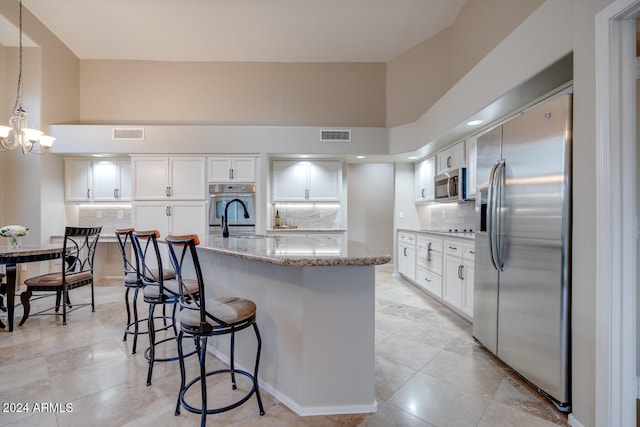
407, 238
429, 281
453, 248
436, 242
432, 261
468, 252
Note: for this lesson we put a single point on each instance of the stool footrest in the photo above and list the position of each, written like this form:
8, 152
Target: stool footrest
239, 402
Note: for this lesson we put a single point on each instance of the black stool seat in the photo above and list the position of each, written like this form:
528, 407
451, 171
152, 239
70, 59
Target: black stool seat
203, 317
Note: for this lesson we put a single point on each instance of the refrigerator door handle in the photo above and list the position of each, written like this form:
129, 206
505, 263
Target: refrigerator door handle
497, 240
490, 213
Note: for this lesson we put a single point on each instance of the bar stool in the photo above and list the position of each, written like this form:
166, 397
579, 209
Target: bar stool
204, 317
133, 281
157, 290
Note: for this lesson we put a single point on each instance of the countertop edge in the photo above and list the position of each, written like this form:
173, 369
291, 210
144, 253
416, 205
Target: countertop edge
303, 261
465, 236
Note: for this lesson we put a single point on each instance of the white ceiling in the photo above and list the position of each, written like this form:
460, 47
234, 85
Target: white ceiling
242, 30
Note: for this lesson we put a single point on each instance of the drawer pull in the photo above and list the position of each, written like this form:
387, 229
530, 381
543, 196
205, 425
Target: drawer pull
427, 279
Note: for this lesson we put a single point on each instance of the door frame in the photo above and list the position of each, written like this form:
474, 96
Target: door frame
617, 225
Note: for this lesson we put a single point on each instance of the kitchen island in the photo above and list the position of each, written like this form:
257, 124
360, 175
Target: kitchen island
316, 306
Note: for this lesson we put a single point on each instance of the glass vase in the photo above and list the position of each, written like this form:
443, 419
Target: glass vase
14, 242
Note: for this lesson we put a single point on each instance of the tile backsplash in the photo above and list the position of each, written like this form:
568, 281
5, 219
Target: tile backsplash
442, 216
109, 217
309, 215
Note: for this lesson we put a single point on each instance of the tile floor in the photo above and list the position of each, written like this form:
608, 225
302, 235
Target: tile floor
429, 372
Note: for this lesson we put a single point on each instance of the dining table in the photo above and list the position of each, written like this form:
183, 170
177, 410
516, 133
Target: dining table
11, 257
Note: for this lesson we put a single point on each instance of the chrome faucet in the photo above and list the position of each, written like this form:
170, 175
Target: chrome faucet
225, 226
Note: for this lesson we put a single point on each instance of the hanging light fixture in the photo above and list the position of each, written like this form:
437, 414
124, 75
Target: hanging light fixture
18, 133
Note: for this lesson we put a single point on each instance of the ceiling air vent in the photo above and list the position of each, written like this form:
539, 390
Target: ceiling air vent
335, 135
128, 134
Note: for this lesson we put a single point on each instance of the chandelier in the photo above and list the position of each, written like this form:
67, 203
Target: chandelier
18, 133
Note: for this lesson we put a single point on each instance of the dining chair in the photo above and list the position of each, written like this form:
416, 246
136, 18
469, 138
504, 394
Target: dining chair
203, 317
159, 288
3, 291
76, 270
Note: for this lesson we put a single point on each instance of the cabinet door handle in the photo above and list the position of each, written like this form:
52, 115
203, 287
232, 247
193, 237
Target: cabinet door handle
460, 270
88, 193
115, 193
429, 252
449, 161
306, 194
167, 210
422, 193
405, 251
167, 191
230, 173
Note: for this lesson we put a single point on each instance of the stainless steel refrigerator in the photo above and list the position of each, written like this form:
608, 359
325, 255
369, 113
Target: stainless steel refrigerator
522, 283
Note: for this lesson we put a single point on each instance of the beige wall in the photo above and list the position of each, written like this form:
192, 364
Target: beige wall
302, 94
480, 26
50, 85
584, 212
417, 78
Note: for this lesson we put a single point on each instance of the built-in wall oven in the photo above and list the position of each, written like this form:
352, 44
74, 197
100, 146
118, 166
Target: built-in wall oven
220, 195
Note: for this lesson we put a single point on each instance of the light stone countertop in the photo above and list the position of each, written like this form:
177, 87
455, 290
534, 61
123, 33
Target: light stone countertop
297, 250
466, 236
307, 230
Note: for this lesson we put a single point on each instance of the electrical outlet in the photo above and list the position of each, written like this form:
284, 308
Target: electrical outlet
98, 214
23, 267
401, 215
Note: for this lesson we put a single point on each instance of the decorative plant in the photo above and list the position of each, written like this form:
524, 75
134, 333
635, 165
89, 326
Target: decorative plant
14, 231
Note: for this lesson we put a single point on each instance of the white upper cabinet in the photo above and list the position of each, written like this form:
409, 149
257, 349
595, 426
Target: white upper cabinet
471, 146
307, 180
231, 169
451, 157
169, 178
111, 180
77, 180
425, 172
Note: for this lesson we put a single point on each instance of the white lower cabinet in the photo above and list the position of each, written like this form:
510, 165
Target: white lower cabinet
429, 264
407, 255
458, 276
171, 217
442, 267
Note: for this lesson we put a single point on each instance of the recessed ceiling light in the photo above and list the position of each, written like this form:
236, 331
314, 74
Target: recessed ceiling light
412, 157
359, 157
475, 122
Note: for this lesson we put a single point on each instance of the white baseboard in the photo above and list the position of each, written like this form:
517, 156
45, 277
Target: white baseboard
294, 406
573, 422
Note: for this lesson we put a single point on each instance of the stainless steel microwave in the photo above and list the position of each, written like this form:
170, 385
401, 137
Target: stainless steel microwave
451, 186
